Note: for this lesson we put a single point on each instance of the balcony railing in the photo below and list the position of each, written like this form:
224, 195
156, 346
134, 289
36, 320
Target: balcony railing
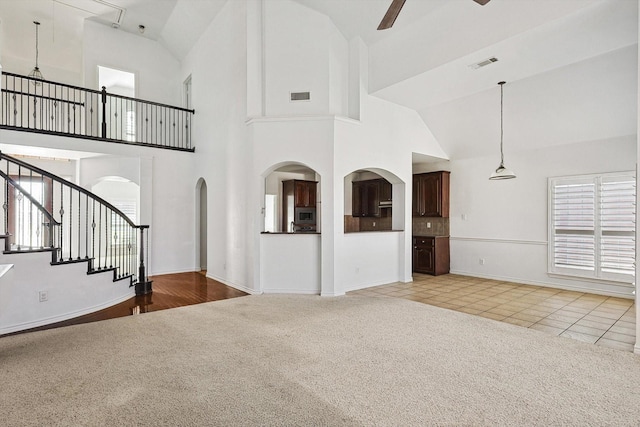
42, 106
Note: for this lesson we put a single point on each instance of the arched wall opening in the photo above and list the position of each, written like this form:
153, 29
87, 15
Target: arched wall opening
285, 201
201, 224
121, 193
374, 200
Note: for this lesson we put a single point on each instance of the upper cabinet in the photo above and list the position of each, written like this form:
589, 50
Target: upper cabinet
431, 194
369, 196
305, 193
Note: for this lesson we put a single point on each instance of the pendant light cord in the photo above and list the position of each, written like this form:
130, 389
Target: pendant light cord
37, 25
501, 126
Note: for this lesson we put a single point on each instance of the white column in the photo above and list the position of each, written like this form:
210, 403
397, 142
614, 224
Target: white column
637, 346
255, 58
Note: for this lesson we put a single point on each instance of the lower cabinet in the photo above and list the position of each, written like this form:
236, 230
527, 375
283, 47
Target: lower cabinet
431, 255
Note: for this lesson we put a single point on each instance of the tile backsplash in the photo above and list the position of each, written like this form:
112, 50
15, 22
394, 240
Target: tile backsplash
375, 224
356, 224
439, 226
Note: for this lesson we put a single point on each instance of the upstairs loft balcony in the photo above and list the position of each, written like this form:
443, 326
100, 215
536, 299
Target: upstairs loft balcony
34, 105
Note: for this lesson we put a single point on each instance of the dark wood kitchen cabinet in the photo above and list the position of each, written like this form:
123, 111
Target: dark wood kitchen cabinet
368, 196
299, 200
431, 254
431, 194
304, 192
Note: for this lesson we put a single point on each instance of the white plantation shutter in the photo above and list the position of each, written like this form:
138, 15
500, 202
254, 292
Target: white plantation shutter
617, 225
574, 225
592, 226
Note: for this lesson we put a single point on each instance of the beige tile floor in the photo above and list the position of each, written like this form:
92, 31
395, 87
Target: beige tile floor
601, 320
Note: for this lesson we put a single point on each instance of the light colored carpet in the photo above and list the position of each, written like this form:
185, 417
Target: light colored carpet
307, 360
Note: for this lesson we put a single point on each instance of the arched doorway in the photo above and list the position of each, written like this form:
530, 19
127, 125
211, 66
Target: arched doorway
201, 224
121, 193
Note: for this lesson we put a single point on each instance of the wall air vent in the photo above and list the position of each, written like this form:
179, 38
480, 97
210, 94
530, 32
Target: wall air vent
300, 96
484, 63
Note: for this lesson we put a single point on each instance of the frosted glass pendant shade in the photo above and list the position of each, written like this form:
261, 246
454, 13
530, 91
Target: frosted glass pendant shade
502, 173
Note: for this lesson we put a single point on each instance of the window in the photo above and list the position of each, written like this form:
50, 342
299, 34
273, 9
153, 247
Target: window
120, 229
592, 226
131, 126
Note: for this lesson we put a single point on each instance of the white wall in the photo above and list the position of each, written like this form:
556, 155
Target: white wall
70, 291
506, 221
278, 141
637, 346
168, 195
65, 168
371, 259
290, 263
383, 140
218, 68
155, 68
12, 64
303, 52
116, 192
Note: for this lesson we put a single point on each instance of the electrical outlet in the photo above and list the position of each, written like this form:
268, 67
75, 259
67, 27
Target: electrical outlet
374, 223
481, 261
428, 225
43, 296
464, 217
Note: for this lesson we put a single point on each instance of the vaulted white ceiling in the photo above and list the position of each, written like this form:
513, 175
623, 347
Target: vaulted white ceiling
570, 65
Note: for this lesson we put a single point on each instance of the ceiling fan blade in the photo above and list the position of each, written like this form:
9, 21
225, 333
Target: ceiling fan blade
481, 2
391, 15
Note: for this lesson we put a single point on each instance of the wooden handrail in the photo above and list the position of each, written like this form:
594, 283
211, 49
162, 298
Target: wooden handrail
97, 92
33, 201
69, 184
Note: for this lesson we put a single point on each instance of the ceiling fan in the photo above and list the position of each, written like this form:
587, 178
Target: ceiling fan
396, 7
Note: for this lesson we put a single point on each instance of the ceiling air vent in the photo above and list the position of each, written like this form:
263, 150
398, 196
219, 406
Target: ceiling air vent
484, 63
300, 96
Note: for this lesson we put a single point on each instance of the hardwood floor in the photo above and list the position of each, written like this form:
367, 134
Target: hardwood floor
169, 291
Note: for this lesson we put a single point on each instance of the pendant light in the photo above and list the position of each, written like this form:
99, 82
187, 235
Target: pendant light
35, 73
502, 172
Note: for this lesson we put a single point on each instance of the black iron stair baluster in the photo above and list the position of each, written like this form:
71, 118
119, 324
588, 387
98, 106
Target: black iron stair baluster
42, 193
104, 112
110, 238
86, 227
79, 225
93, 236
70, 224
61, 241
31, 211
99, 237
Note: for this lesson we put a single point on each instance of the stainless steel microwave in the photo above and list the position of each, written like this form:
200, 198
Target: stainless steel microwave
305, 216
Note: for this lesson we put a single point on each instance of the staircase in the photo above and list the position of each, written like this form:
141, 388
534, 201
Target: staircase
46, 214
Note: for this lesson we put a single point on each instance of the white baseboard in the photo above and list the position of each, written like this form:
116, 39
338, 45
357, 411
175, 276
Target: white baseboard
373, 284
332, 294
234, 285
545, 284
66, 316
160, 273
290, 291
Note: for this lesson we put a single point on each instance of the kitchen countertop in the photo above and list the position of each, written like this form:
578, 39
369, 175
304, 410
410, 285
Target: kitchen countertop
286, 232
427, 235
